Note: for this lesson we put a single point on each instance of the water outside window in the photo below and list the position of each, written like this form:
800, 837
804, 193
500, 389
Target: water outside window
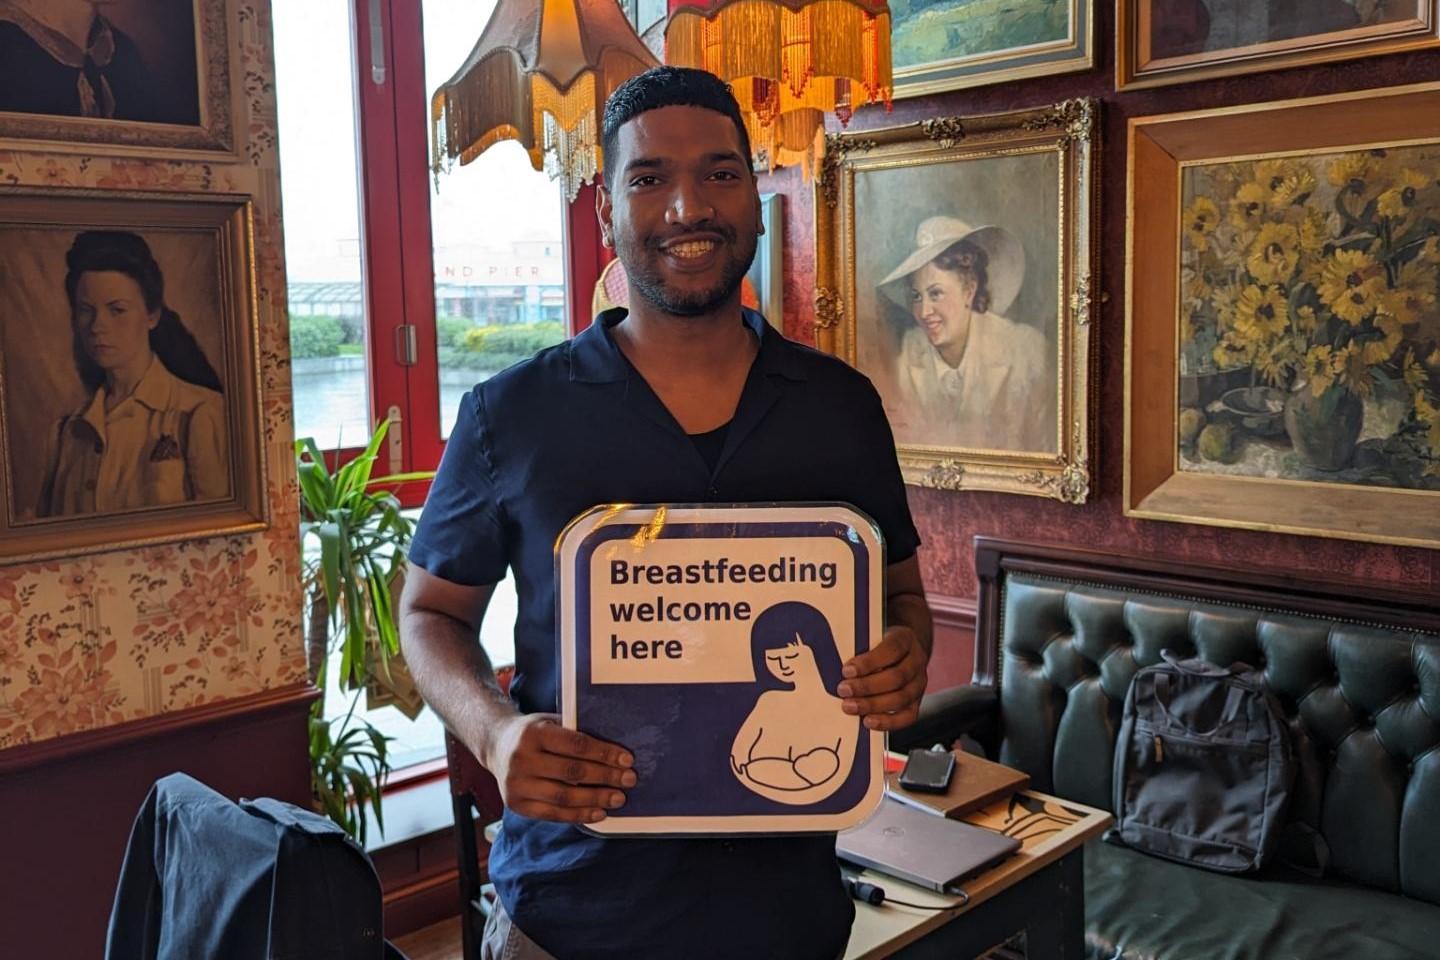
498, 236
321, 204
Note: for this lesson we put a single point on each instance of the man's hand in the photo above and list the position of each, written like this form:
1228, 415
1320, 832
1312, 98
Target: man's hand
884, 684
549, 772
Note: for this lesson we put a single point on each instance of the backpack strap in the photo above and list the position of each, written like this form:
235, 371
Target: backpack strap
1234, 700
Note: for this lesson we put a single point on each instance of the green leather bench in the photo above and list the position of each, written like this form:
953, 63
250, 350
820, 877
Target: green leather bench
1059, 635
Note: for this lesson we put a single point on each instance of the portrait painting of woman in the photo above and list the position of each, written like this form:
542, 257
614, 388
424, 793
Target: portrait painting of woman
73, 58
972, 376
956, 267
152, 431
129, 397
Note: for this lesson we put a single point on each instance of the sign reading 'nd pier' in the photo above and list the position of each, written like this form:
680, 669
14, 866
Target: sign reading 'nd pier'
708, 641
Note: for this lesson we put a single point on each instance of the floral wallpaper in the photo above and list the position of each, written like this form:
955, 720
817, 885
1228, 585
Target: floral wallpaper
104, 639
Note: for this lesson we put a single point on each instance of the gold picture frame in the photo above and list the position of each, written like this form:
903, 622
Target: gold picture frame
1030, 46
129, 378
1341, 319
994, 395
175, 98
1245, 36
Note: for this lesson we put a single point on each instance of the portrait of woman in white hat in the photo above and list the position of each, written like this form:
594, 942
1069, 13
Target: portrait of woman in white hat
967, 375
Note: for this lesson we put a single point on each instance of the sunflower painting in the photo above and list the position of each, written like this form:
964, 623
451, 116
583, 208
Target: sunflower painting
1309, 321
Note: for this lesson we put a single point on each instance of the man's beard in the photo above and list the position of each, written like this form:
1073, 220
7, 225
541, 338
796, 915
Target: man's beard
639, 260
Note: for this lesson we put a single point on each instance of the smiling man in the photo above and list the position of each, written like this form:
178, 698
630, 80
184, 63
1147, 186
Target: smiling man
688, 398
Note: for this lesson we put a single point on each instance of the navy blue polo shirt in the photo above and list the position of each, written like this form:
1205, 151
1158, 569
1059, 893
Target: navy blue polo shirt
577, 426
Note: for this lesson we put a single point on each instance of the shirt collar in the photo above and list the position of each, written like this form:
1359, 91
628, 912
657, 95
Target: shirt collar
57, 45
595, 358
154, 391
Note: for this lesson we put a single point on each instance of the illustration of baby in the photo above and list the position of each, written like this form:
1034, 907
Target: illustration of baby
796, 746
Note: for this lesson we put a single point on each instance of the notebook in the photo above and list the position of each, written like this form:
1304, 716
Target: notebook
929, 851
976, 783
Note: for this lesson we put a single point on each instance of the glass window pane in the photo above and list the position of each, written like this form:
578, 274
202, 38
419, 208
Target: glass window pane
323, 260
498, 235
423, 738
650, 11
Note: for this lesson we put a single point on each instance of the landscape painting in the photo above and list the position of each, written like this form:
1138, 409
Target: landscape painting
947, 44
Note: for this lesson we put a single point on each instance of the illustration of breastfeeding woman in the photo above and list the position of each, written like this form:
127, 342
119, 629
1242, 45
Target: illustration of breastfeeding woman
797, 745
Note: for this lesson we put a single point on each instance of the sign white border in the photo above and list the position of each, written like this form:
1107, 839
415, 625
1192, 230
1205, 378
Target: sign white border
655, 516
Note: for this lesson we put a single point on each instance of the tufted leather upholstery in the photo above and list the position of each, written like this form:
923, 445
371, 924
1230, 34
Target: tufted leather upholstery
1364, 701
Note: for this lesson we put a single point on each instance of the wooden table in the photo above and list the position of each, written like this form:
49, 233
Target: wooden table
1040, 890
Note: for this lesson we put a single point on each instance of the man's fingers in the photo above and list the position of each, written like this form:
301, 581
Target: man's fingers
891, 678
565, 742
572, 770
889, 701
893, 721
543, 811
553, 800
887, 652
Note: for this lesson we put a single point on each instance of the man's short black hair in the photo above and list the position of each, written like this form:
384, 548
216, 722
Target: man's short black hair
666, 86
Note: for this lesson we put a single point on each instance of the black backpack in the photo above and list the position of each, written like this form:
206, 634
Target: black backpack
1203, 766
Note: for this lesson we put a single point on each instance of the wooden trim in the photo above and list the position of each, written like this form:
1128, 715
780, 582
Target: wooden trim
1313, 596
416, 774
957, 613
421, 903
296, 696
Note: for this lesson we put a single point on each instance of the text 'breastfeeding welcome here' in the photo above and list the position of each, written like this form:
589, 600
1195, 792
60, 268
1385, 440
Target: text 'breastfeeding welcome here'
680, 611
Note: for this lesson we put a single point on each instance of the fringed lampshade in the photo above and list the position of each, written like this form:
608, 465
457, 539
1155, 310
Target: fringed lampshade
789, 62
540, 74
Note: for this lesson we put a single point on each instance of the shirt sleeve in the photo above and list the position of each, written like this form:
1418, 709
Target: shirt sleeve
885, 499
460, 536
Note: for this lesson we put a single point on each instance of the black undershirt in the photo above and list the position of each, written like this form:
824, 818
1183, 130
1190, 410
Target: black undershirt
710, 444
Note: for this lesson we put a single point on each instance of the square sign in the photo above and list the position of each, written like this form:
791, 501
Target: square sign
708, 641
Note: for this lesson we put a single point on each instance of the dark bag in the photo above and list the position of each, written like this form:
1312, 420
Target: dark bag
1203, 766
204, 877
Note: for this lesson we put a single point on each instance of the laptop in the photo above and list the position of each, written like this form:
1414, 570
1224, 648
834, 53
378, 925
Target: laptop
929, 851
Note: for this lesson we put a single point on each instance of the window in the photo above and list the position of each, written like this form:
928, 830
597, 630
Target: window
404, 289
497, 230
329, 317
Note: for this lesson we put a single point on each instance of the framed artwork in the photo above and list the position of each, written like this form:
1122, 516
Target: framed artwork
129, 391
938, 45
1169, 41
954, 260
144, 77
1283, 317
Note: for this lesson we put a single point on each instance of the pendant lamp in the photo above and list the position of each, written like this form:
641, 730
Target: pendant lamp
790, 62
540, 74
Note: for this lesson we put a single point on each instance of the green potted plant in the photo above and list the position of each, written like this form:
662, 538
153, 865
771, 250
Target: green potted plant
354, 538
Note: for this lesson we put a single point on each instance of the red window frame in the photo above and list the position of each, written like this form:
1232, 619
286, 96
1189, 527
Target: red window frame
394, 152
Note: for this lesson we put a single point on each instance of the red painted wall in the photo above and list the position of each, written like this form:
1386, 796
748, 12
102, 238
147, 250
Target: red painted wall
949, 521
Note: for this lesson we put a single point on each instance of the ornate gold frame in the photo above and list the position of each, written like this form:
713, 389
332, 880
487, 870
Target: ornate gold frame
1072, 129
1133, 71
1074, 53
231, 220
1159, 147
214, 137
